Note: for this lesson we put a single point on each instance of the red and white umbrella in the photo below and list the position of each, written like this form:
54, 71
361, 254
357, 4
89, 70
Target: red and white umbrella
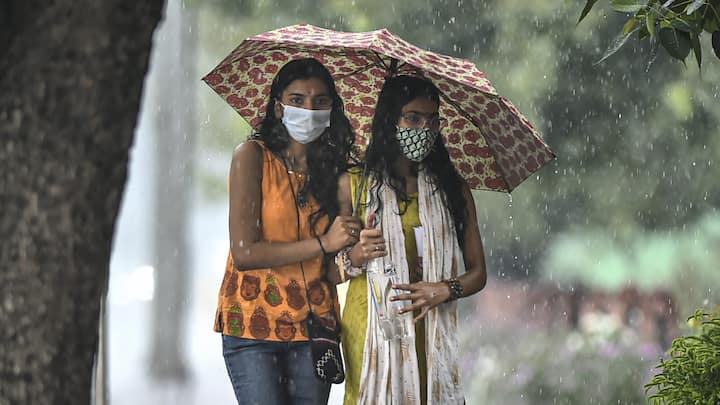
493, 146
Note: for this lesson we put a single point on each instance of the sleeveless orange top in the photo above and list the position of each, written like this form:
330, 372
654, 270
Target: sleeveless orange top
271, 303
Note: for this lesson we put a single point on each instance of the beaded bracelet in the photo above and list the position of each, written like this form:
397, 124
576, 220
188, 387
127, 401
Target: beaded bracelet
456, 289
342, 259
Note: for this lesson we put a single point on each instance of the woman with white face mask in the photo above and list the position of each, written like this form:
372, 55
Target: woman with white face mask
284, 224
409, 183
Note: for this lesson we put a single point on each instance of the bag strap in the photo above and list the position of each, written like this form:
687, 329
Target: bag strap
297, 218
302, 268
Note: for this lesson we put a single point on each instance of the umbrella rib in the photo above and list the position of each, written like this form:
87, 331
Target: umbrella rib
340, 77
395, 64
380, 59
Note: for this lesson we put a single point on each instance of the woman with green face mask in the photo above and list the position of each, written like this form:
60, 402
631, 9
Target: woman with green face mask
408, 186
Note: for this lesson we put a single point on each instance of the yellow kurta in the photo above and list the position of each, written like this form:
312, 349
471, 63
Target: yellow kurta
354, 317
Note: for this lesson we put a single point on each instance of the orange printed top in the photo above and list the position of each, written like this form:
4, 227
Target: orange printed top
271, 303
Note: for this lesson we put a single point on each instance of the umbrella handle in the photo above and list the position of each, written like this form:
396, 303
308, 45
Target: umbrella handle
363, 180
393, 67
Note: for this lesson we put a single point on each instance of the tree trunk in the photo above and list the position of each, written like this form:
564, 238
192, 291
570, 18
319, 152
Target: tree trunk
173, 93
71, 76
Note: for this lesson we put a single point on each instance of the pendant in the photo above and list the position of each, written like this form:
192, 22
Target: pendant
301, 200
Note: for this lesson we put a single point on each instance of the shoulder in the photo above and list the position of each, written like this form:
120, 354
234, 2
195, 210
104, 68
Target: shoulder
249, 149
344, 181
248, 155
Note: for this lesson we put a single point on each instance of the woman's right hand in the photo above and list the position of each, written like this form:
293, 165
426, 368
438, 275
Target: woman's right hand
371, 244
344, 231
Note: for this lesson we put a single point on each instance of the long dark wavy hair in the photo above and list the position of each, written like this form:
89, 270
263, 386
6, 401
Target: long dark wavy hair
328, 155
384, 148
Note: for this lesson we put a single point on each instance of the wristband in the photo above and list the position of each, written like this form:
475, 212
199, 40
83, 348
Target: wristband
456, 289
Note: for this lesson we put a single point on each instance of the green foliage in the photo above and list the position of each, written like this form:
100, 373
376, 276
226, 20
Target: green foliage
692, 373
676, 25
685, 263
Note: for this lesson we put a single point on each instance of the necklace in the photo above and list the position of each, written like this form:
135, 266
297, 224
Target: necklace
301, 196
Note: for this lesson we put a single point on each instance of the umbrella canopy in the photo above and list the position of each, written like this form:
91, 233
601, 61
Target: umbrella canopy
492, 145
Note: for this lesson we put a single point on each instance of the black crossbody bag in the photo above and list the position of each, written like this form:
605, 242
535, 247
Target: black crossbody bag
324, 334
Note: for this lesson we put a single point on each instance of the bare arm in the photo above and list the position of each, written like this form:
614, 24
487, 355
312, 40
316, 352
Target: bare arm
370, 243
345, 194
426, 295
345, 210
475, 276
248, 249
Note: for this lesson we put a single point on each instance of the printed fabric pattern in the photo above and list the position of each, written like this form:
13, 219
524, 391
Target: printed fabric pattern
271, 303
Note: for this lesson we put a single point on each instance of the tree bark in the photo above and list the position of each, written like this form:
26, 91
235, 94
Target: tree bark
71, 76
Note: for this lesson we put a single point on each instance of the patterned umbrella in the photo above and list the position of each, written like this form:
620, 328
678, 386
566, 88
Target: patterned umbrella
492, 145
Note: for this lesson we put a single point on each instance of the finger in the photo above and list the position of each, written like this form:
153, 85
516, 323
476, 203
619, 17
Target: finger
422, 314
351, 227
373, 248
352, 231
372, 233
412, 307
407, 287
401, 297
370, 243
377, 238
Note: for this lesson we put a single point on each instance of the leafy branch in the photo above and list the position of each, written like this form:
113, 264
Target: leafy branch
692, 373
676, 25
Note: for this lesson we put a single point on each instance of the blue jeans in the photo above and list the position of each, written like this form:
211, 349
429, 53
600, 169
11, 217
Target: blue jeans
272, 373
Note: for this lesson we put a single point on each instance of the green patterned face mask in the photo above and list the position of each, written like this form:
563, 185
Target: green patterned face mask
416, 143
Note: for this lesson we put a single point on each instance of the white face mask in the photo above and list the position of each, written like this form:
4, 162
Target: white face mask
305, 125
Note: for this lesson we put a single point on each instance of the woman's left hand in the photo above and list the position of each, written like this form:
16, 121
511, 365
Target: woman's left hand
424, 295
